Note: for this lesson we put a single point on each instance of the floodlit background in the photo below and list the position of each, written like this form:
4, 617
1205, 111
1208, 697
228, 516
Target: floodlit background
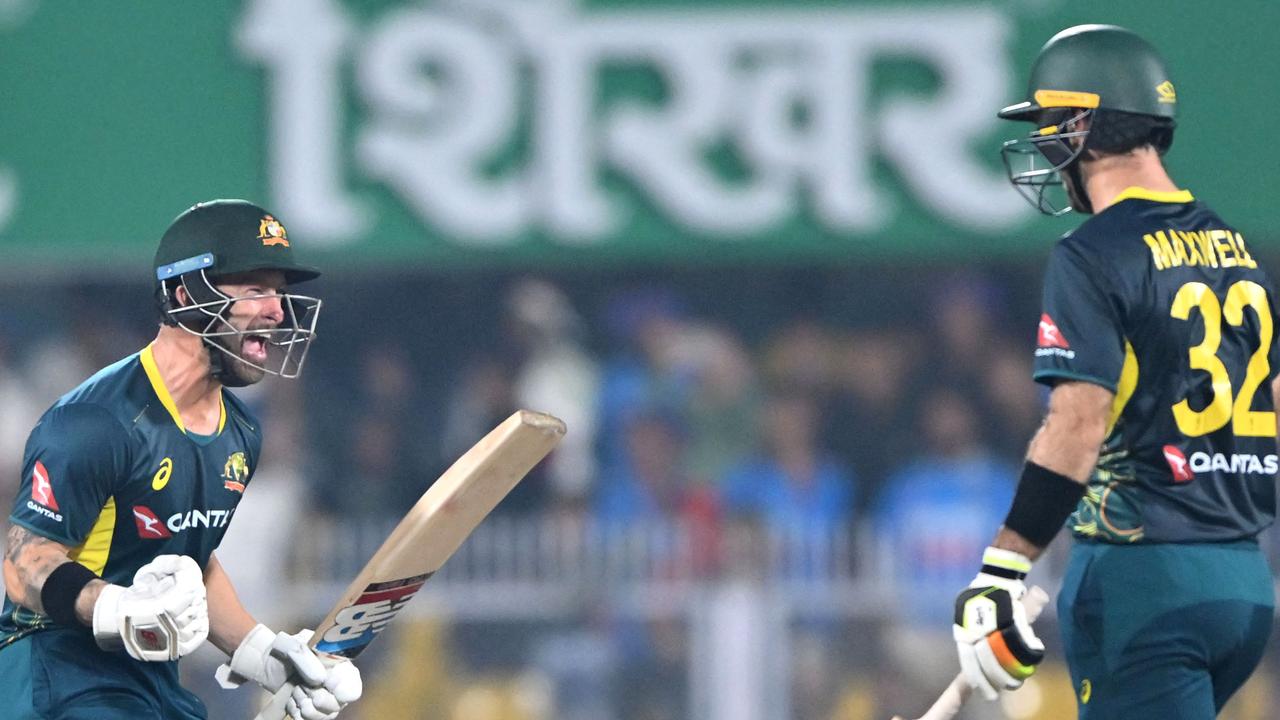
760, 256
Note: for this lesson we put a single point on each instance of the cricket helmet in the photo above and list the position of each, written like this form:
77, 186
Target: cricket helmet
1105, 74
212, 240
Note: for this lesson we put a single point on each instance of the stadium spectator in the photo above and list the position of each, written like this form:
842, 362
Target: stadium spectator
555, 374
799, 492
867, 419
936, 512
651, 496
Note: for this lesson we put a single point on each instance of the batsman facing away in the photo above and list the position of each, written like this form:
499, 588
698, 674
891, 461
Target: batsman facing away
129, 482
1159, 447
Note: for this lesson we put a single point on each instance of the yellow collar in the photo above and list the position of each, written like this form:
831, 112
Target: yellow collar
148, 358
1141, 193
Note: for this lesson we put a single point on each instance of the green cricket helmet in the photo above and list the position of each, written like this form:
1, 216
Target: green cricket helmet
213, 240
1105, 74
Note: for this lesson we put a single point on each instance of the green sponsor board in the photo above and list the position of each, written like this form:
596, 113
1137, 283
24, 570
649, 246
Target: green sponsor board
553, 132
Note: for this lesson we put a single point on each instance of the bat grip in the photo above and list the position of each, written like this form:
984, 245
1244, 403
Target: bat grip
275, 710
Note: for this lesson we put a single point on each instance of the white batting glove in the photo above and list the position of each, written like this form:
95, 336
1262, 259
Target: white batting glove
161, 617
342, 686
323, 684
998, 649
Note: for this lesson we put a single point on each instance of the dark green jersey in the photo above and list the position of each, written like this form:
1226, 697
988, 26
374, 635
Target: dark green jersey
1159, 300
111, 472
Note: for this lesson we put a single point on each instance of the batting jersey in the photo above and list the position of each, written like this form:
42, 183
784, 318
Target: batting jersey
111, 472
1159, 300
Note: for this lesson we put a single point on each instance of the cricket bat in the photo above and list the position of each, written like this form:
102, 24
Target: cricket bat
948, 705
432, 530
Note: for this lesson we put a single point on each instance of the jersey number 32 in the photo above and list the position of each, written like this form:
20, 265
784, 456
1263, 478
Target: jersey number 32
1225, 405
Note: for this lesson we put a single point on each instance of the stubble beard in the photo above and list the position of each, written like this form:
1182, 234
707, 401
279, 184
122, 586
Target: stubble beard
236, 369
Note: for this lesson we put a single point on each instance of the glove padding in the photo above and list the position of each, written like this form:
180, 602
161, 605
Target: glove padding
322, 684
997, 647
161, 617
341, 687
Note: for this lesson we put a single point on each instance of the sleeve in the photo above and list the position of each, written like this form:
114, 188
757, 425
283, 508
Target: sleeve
1080, 336
75, 459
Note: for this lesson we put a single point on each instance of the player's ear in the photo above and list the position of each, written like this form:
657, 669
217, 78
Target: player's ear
180, 296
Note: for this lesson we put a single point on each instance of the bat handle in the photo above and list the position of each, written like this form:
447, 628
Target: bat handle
952, 699
275, 710
949, 703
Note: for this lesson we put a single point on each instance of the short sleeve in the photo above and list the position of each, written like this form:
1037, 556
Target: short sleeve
1080, 336
75, 459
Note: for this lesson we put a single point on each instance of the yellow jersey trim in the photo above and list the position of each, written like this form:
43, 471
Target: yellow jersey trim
1126, 386
1140, 193
93, 552
148, 358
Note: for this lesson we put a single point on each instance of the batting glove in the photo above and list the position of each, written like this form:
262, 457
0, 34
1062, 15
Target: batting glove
998, 649
161, 617
323, 684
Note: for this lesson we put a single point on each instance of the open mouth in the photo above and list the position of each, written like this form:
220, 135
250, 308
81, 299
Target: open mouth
254, 348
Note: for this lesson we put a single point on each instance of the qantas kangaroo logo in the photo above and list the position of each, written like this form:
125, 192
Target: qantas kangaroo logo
1050, 336
149, 526
42, 500
41, 490
1182, 471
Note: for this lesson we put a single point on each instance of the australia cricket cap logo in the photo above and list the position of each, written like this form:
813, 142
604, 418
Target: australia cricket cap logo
271, 232
235, 473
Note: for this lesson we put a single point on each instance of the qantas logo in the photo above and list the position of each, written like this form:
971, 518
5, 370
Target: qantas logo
149, 526
178, 522
1235, 464
1049, 340
1182, 471
41, 490
42, 500
1050, 336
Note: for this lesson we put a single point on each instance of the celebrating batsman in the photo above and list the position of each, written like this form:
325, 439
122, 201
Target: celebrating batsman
129, 482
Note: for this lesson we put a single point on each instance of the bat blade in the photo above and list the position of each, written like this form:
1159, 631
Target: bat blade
434, 528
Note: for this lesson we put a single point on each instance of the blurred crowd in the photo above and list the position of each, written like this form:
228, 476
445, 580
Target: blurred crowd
794, 405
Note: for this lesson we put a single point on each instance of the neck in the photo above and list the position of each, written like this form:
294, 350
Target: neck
1108, 176
183, 362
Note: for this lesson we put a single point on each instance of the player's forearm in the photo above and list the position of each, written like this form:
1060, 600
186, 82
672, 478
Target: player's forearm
1061, 458
229, 621
87, 599
1007, 539
29, 559
1068, 443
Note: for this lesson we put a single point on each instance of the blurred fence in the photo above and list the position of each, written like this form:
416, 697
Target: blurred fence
748, 604
549, 567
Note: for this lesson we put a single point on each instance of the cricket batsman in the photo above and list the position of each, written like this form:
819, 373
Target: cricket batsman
129, 482
1157, 337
